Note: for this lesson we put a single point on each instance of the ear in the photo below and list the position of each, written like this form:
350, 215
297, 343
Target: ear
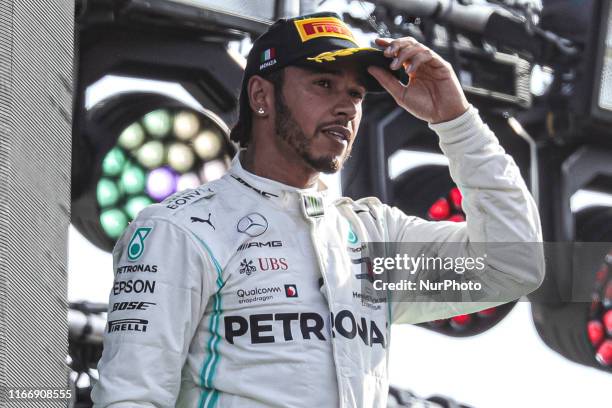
261, 95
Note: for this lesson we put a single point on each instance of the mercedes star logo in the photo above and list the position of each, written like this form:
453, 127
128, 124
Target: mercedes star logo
253, 225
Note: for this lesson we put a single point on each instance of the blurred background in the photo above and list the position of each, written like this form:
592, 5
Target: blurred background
154, 94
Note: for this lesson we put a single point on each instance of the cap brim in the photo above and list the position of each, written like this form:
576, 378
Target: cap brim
360, 57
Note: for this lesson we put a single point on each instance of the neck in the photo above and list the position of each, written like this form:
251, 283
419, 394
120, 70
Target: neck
266, 159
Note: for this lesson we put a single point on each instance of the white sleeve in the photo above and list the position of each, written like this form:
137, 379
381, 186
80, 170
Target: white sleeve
163, 279
502, 221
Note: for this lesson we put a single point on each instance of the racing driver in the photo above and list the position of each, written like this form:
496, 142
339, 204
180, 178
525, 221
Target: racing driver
248, 291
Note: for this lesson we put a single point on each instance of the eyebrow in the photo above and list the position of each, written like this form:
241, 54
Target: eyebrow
321, 70
331, 71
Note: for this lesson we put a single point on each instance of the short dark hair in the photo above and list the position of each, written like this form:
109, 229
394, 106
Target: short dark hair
241, 132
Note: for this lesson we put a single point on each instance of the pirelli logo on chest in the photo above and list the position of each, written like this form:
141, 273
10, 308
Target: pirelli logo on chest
311, 28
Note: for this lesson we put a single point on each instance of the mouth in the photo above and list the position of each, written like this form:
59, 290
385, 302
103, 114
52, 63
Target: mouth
339, 133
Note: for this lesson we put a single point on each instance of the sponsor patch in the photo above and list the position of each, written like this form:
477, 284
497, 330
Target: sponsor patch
312, 28
291, 291
137, 243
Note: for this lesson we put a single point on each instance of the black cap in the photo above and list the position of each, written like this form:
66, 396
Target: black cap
311, 40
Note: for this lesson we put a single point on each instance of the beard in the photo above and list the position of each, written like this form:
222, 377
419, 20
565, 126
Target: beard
290, 132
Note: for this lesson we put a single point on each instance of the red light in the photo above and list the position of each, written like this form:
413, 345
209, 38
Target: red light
595, 304
604, 353
440, 210
487, 312
457, 218
607, 321
455, 197
596, 332
437, 323
601, 274
607, 300
461, 322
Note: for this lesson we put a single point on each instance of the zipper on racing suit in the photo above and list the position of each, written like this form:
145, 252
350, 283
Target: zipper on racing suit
312, 220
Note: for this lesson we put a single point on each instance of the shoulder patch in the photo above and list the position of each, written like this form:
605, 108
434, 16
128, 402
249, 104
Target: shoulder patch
136, 247
190, 196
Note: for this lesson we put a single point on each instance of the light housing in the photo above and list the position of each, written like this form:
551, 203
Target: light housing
136, 158
601, 105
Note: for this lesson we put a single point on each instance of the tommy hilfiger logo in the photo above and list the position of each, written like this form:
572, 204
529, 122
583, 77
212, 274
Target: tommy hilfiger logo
268, 58
313, 206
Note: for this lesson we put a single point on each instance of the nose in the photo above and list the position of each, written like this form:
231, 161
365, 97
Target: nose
347, 106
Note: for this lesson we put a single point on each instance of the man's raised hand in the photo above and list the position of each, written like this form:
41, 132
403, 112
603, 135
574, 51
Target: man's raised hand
433, 93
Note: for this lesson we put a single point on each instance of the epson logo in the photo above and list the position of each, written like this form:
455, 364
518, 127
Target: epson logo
269, 244
137, 286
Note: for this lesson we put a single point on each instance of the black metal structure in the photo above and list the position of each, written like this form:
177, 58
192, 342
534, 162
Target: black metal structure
561, 140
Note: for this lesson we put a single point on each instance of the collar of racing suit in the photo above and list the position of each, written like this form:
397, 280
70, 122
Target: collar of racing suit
311, 202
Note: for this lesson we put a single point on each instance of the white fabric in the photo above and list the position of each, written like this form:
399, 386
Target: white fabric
203, 347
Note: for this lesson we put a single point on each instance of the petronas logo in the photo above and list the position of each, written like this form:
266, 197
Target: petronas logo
313, 206
137, 243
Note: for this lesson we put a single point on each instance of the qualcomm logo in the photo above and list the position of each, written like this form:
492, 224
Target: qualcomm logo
253, 225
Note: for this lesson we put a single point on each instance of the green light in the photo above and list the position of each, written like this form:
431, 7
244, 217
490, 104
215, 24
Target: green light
136, 204
132, 179
113, 162
113, 222
131, 137
151, 154
158, 123
107, 192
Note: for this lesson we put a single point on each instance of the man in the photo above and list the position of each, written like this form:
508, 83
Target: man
263, 306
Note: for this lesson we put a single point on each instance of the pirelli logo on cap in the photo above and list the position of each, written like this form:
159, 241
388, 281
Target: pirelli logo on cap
311, 28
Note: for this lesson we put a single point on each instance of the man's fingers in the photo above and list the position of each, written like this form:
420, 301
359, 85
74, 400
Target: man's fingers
387, 80
419, 59
383, 41
405, 54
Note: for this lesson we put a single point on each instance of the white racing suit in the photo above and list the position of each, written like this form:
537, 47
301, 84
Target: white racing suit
246, 292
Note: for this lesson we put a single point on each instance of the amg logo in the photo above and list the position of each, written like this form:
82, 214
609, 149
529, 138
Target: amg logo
260, 327
131, 305
269, 244
139, 325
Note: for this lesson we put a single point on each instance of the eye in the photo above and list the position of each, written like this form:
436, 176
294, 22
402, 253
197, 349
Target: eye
325, 83
357, 95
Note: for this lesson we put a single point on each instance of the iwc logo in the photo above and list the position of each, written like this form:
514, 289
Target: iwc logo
137, 243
